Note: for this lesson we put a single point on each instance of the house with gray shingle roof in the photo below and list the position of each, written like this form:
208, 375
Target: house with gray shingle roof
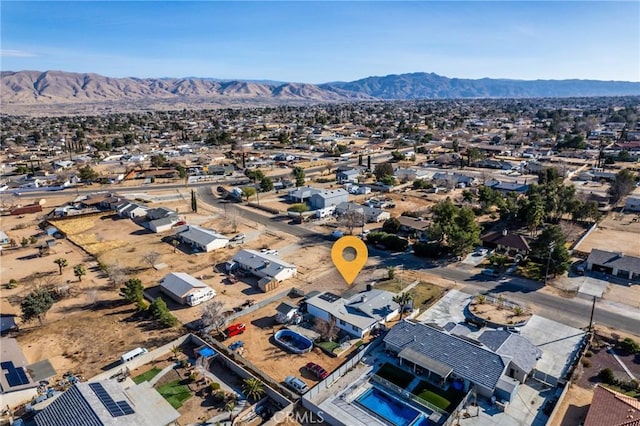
444, 357
327, 198
357, 315
618, 264
203, 239
524, 354
262, 265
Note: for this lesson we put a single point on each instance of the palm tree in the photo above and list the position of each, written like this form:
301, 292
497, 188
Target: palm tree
402, 299
175, 351
253, 388
61, 262
175, 243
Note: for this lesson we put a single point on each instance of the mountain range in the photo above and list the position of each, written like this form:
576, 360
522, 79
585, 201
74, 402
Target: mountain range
59, 87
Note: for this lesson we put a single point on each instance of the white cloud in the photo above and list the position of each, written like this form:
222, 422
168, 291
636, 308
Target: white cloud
9, 53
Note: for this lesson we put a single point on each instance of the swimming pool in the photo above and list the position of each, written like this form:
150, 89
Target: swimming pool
388, 407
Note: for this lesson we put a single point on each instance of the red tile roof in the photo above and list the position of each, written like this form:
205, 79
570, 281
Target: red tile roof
610, 408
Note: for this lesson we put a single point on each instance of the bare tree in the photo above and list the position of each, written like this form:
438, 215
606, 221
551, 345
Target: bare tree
328, 329
117, 275
213, 315
351, 219
151, 257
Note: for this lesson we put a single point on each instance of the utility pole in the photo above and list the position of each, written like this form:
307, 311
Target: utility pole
552, 245
593, 308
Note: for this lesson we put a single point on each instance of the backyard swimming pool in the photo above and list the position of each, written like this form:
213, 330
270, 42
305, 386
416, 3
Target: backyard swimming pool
293, 342
389, 408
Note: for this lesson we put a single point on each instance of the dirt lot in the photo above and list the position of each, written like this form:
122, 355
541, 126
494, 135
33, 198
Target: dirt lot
574, 407
261, 350
618, 228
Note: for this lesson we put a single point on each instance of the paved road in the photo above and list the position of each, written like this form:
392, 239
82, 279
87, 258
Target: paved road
571, 311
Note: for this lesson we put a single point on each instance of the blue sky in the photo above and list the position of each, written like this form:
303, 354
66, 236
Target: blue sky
317, 42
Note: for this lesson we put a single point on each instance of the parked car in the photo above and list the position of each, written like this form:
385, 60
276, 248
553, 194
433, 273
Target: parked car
480, 251
296, 384
490, 272
269, 251
317, 370
512, 329
234, 330
239, 237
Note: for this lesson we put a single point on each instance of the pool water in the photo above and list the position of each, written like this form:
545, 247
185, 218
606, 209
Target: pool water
388, 407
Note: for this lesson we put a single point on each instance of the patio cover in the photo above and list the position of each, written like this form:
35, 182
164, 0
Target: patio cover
440, 368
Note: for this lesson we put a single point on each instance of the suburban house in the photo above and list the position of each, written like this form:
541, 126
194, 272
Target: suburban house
609, 407
131, 210
202, 239
357, 315
262, 265
412, 224
328, 198
524, 354
301, 194
161, 219
506, 187
453, 179
633, 201
218, 170
612, 263
185, 289
16, 384
506, 242
107, 402
348, 176
405, 174
443, 357
371, 214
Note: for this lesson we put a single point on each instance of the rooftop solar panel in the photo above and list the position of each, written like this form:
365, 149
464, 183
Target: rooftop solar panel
329, 297
116, 409
15, 376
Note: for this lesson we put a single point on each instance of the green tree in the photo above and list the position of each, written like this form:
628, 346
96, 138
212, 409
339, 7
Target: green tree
158, 160
266, 184
24, 242
254, 174
253, 388
391, 272
383, 169
391, 225
403, 299
133, 290
87, 174
456, 227
397, 156
298, 174
79, 271
622, 185
248, 191
62, 263
160, 312
182, 171
194, 202
36, 305
558, 256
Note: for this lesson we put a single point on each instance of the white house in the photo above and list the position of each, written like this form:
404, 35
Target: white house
185, 289
131, 210
205, 240
262, 265
357, 315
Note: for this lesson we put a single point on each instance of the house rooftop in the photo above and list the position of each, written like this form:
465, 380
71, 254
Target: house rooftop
181, 283
200, 235
471, 361
614, 260
609, 407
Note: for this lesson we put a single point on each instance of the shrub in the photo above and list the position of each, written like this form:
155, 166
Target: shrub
630, 346
607, 376
214, 386
586, 362
588, 354
12, 283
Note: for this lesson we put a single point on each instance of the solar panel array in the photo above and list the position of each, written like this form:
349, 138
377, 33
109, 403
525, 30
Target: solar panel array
115, 408
15, 376
329, 297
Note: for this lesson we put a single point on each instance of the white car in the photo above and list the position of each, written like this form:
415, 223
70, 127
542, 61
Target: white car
269, 251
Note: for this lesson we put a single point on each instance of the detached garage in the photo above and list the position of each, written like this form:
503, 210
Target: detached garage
185, 289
